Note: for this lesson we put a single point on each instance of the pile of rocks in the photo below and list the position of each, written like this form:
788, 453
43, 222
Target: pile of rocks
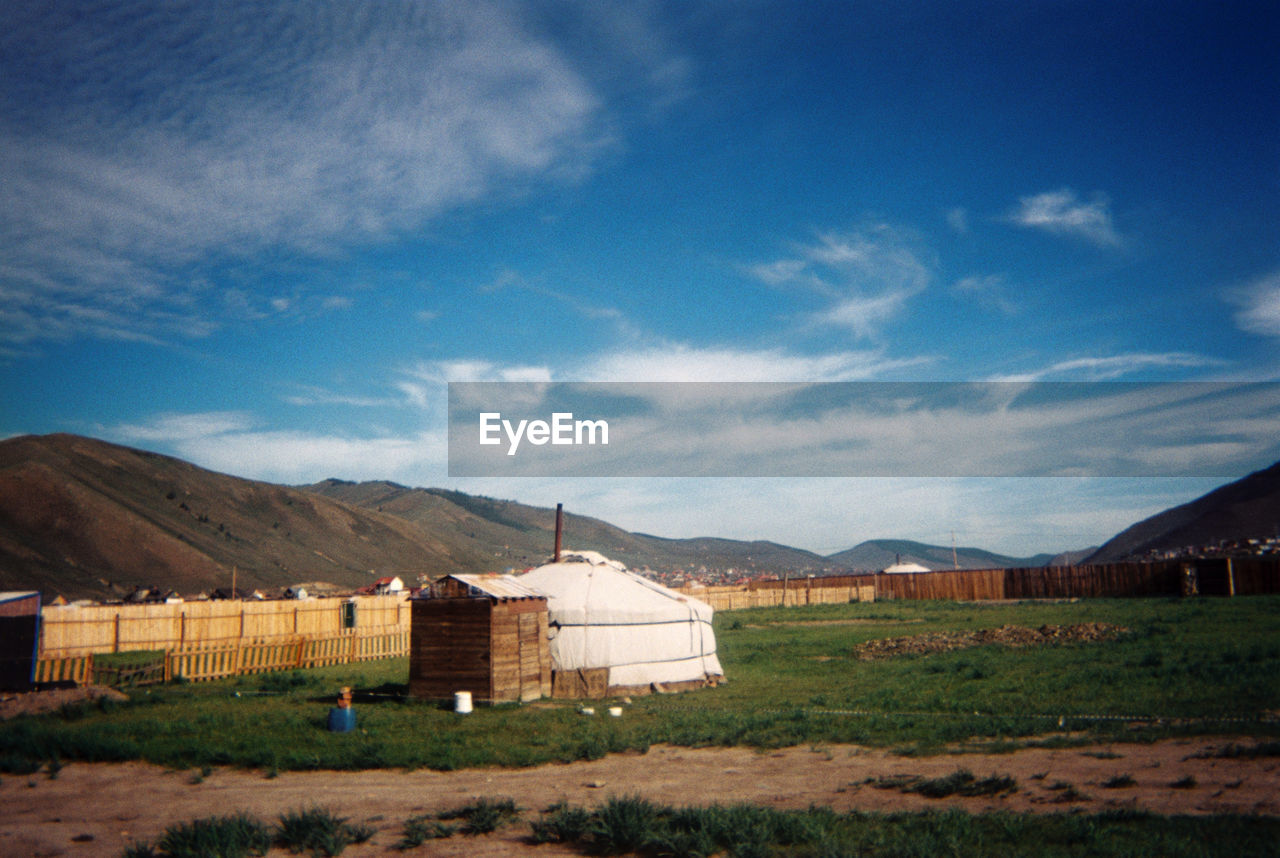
1005, 636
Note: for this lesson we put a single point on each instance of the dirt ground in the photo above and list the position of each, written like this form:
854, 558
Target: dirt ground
99, 809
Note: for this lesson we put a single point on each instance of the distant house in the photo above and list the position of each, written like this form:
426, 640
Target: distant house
388, 585
226, 593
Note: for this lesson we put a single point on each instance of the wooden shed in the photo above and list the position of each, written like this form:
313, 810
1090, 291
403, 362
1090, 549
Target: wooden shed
485, 634
19, 638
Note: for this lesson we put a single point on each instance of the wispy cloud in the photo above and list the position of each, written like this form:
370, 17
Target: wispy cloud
232, 443
887, 429
680, 362
989, 290
1259, 304
174, 427
866, 276
125, 161
1063, 213
1113, 366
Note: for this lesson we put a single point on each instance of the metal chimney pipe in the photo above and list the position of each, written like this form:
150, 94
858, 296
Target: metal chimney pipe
559, 530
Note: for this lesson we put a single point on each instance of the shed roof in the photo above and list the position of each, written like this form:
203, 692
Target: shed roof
495, 586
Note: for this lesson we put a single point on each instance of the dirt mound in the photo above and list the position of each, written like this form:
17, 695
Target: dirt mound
1005, 636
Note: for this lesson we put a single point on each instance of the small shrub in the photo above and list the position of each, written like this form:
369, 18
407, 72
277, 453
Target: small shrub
485, 815
562, 823
1066, 793
1118, 782
420, 829
234, 836
140, 850
1189, 782
625, 825
962, 782
319, 832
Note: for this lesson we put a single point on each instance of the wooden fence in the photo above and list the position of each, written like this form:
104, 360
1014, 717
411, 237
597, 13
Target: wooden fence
198, 664
1216, 576
771, 594
75, 668
76, 630
217, 661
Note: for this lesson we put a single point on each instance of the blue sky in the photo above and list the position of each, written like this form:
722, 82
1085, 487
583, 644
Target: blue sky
262, 237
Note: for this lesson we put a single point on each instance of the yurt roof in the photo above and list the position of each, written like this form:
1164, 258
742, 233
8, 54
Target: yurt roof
899, 568
585, 582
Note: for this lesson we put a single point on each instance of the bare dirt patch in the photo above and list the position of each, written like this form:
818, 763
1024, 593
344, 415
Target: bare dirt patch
99, 809
1013, 636
51, 700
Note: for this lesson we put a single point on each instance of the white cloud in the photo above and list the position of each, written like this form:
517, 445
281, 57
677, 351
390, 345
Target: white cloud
1259, 304
1016, 516
229, 442
1063, 213
173, 427
125, 160
445, 371
301, 457
866, 276
679, 362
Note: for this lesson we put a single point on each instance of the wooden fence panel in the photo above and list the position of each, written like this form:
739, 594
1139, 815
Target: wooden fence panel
76, 668
204, 663
72, 630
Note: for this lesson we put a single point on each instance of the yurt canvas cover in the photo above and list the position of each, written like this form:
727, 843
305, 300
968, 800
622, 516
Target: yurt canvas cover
604, 618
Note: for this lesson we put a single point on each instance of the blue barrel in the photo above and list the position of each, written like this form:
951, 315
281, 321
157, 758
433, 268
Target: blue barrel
342, 720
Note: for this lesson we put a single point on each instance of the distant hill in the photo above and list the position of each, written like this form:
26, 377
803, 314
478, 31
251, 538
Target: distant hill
1246, 509
876, 554
520, 535
88, 519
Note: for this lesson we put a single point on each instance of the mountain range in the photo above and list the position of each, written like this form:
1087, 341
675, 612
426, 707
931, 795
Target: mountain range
85, 518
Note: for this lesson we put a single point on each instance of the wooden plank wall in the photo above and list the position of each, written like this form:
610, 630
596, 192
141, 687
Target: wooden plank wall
496, 650
521, 656
962, 585
69, 630
449, 648
1249, 576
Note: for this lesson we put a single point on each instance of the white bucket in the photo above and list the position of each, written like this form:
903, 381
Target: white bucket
615, 711
462, 702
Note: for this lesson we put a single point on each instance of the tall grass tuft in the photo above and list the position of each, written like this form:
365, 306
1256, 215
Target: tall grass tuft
484, 815
319, 832
234, 836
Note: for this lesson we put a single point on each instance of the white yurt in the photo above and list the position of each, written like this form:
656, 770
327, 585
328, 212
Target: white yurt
901, 568
614, 632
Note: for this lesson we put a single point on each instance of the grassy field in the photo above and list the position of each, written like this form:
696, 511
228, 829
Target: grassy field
1198, 666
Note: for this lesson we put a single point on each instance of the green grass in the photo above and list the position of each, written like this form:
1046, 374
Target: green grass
1201, 666
634, 825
